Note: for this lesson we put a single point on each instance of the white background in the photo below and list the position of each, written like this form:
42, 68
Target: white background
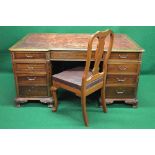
76, 13
77, 142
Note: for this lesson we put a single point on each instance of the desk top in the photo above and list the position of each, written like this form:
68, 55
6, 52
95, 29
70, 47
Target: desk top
70, 42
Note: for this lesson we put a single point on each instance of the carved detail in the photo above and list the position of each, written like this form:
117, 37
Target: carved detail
133, 102
48, 101
109, 101
20, 100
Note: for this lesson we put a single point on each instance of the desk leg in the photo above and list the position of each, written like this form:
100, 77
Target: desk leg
48, 101
133, 102
19, 101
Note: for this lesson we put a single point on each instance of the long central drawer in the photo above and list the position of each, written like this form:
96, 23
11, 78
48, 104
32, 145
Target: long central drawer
62, 55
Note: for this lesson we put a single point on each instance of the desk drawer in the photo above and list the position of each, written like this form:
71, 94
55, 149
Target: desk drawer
68, 55
124, 56
30, 67
122, 68
121, 80
120, 92
33, 91
31, 79
29, 55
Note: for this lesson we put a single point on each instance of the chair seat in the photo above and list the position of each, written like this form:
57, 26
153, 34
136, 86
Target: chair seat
73, 77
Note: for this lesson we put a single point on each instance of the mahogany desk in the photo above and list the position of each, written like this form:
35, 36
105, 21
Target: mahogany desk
32, 57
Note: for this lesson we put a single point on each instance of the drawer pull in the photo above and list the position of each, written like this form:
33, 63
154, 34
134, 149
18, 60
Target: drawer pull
28, 56
31, 79
122, 68
120, 92
123, 57
120, 80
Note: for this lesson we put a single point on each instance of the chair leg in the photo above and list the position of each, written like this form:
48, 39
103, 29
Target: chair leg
103, 103
54, 94
83, 102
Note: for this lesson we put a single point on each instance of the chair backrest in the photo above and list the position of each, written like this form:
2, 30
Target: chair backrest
99, 55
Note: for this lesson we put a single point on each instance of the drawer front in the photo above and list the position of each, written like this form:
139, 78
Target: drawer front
121, 80
30, 55
33, 91
120, 92
32, 79
122, 68
124, 56
68, 55
31, 67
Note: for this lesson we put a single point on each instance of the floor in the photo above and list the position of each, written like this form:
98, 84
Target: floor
39, 116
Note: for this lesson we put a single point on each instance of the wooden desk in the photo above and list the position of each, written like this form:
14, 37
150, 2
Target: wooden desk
32, 57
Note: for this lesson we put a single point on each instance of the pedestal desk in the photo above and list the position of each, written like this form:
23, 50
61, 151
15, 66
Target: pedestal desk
32, 57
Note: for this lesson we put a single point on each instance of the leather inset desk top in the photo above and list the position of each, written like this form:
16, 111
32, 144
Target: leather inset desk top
53, 41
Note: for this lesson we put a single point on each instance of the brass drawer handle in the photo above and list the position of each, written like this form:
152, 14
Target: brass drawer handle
122, 68
120, 92
31, 79
123, 57
120, 80
28, 56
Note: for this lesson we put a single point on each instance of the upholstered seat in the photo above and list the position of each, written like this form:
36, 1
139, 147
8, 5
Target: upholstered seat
73, 78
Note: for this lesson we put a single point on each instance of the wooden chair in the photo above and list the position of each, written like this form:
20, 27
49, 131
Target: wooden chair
83, 81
